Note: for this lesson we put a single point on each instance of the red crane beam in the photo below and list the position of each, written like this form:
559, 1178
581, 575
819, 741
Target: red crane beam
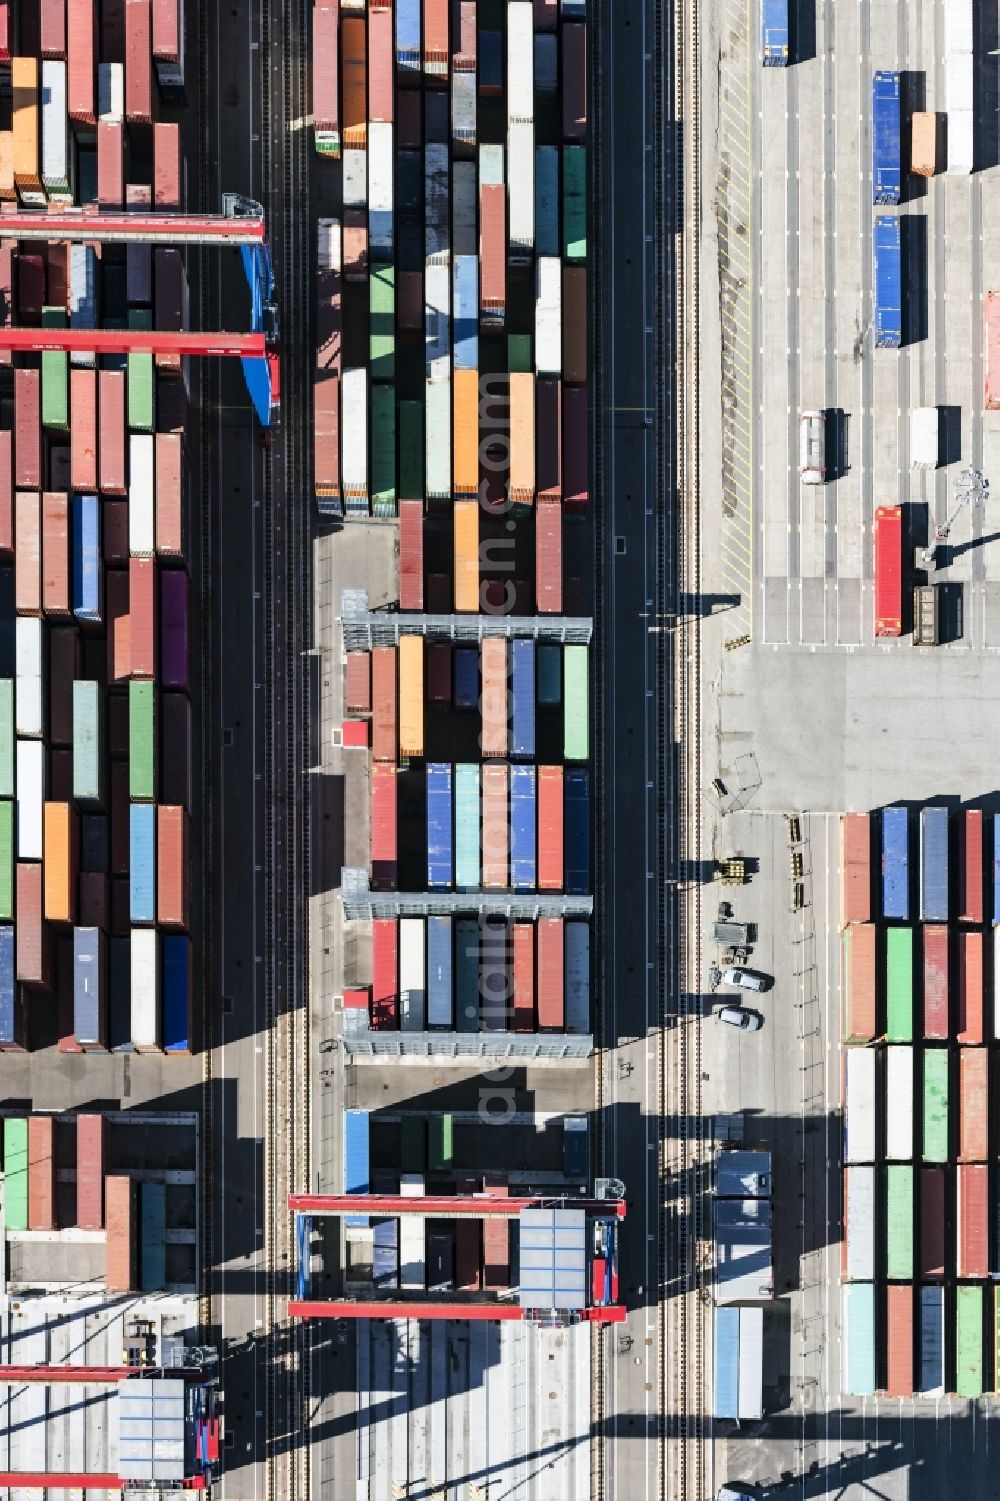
40, 1480
332, 1309
447, 1206
165, 229
130, 341
93, 1375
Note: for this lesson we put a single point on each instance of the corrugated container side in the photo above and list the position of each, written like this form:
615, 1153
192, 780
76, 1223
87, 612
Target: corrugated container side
856, 876
550, 828
496, 826
859, 1105
931, 1357
383, 826
859, 982
138, 61
895, 863
411, 555
936, 1023
899, 984
935, 1105
550, 971
899, 1222
971, 901
858, 1336
60, 862
111, 392
970, 988
411, 696
968, 1341
41, 1173
899, 1113
972, 1220
899, 1340
171, 866
494, 697
385, 975
81, 49
932, 1223
523, 976
90, 1172
119, 1202
384, 703
178, 994
973, 1104
548, 558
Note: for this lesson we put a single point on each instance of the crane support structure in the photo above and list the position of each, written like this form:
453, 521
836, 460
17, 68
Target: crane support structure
152, 229
449, 1206
334, 1309
131, 341
93, 1375
40, 1480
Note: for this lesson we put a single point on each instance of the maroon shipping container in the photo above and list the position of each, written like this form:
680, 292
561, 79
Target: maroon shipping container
438, 594
83, 429
117, 624
175, 749
121, 914
30, 286
41, 1172
468, 1255
409, 302
167, 168
574, 324
33, 948
6, 493
546, 14
93, 894
411, 555
973, 1104
328, 321
111, 391
972, 1220
325, 67
119, 818
936, 982
550, 966
383, 827
52, 28
90, 1172
114, 532
855, 868
439, 673
381, 63
138, 61
409, 124
170, 310
932, 1223
27, 430
576, 440
354, 252
493, 252
81, 48
61, 776
110, 163
326, 436
57, 276
119, 1206
64, 664
142, 617
174, 653
548, 439
899, 1339
55, 554
496, 1236
118, 727
548, 558
970, 987
574, 82
971, 869
358, 682
27, 552
384, 703
523, 975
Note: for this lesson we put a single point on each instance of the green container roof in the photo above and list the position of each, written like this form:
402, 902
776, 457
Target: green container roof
7, 737
969, 1341
55, 389
413, 1145
382, 284
574, 203
441, 1140
141, 727
935, 1105
899, 984
383, 486
519, 360
15, 1173
140, 377
899, 1223
86, 740
6, 861
411, 450
576, 712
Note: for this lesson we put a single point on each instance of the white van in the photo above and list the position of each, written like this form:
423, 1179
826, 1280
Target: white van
812, 448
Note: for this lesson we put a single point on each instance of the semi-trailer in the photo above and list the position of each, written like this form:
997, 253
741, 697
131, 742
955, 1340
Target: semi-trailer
888, 305
886, 162
774, 33
888, 560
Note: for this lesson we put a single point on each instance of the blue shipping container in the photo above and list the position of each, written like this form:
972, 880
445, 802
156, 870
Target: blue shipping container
466, 975
576, 830
886, 162
408, 35
934, 864
465, 301
522, 674
385, 1232
86, 557
576, 937
774, 39
727, 1363
895, 863
439, 967
9, 1028
523, 822
357, 1163
385, 1266
466, 681
88, 986
142, 863
175, 981
490, 60
888, 314
931, 1336
440, 849
547, 201
153, 1237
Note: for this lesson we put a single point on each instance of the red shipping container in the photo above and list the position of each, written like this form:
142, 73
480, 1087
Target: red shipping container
52, 28
548, 558
138, 61
932, 1222
114, 532
167, 168
64, 663
523, 970
6, 493
354, 253
33, 949
972, 1220
468, 1255
496, 1236
358, 682
55, 554
576, 440
899, 1339
30, 286
385, 975
6, 30
169, 512
119, 1208
384, 703
550, 828
90, 1172
383, 827
110, 163
119, 818
117, 625
409, 302
856, 868
41, 1172
436, 37
493, 252
888, 543
354, 734
142, 617
168, 30
973, 1104
175, 734
326, 436
935, 982
574, 82
551, 982
57, 276
411, 555
83, 429
93, 896
439, 673
81, 49
27, 553
27, 430
859, 982
991, 351
466, 39
494, 697
171, 867
970, 987
111, 391
548, 440
971, 904
381, 63
325, 67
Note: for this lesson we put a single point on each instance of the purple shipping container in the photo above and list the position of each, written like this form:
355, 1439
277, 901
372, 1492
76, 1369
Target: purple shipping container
174, 628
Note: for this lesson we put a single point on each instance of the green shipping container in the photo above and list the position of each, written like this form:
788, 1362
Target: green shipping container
382, 305
899, 984
153, 1237
411, 450
574, 203
935, 1105
899, 1223
858, 1330
87, 759
441, 1151
466, 826
576, 710
969, 1341
6, 737
15, 1173
139, 379
413, 1145
519, 358
141, 742
55, 375
6, 861
383, 399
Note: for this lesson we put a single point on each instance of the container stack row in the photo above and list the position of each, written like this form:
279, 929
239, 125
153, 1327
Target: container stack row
921, 1190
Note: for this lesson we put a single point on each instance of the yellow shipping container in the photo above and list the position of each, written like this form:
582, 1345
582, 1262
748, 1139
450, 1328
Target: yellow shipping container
59, 869
411, 696
465, 389
467, 555
522, 438
24, 81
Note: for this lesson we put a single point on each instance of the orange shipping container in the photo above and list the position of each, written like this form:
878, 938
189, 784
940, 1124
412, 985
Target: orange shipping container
856, 869
384, 703
169, 514
466, 523
142, 617
923, 144
493, 666
83, 429
550, 828
171, 866
381, 63
59, 866
496, 827
973, 1104
970, 988
465, 397
41, 1172
522, 438
355, 76
24, 82
899, 1339
411, 696
119, 1215
7, 193
28, 553
55, 554
524, 976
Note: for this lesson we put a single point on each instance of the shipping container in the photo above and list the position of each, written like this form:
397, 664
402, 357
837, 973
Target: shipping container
384, 852
325, 70
7, 859
548, 316
86, 581
548, 558
411, 696
970, 1021
550, 973
467, 825
969, 1341
466, 557
522, 687
972, 1220
496, 826
466, 678
153, 1236
411, 555
923, 144
493, 662
142, 741
971, 868
576, 713
412, 975
934, 864
30, 797
899, 984
931, 1357
440, 1142
856, 868
90, 1172
120, 1216
973, 1104
899, 1211
858, 1338
899, 1340
859, 1105
145, 989
385, 982
550, 828
932, 1222
523, 823
522, 480
60, 862
41, 1173
577, 977
859, 982
936, 1026
177, 986
496, 1237
24, 80
935, 1105
886, 162
895, 864
384, 703
495, 988
358, 682
28, 553
326, 444
439, 972
171, 867
357, 1159
888, 304
89, 988
467, 993
111, 450
138, 61
899, 1103
774, 37
440, 850
55, 554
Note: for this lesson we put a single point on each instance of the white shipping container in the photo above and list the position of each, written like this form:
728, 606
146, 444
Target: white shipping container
141, 504
924, 437
328, 245
29, 683
412, 1186
958, 26
520, 60
961, 141
577, 973
491, 166
355, 177
145, 989
30, 798
55, 131
859, 1105
750, 1400
412, 1252
859, 1224
548, 315
380, 198
412, 975
437, 199
463, 107
464, 203
520, 192
437, 439
82, 296
110, 91
437, 318
899, 1104
28, 646
354, 432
